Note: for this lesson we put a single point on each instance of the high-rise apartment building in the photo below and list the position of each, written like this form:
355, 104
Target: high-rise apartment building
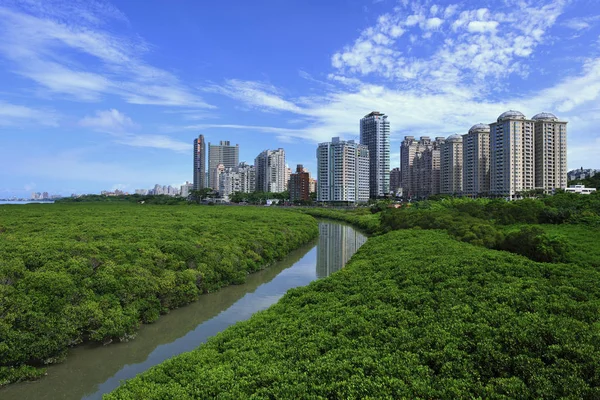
271, 171
375, 134
343, 171
239, 179
420, 166
299, 185
199, 163
223, 153
476, 161
550, 140
451, 163
512, 155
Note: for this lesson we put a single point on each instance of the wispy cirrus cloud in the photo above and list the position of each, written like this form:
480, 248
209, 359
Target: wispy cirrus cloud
108, 121
45, 41
120, 127
261, 95
582, 23
13, 114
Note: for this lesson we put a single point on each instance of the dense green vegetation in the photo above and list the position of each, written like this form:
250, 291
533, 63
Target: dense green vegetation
415, 314
491, 223
75, 272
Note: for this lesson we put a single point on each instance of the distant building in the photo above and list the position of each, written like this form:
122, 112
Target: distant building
288, 174
579, 174
395, 177
375, 134
142, 192
199, 163
312, 185
343, 171
580, 189
271, 171
476, 161
451, 163
299, 185
186, 189
223, 153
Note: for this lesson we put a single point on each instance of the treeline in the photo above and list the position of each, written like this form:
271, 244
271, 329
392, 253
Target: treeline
93, 272
160, 199
415, 314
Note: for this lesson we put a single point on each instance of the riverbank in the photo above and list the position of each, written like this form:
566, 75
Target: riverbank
92, 272
415, 314
93, 370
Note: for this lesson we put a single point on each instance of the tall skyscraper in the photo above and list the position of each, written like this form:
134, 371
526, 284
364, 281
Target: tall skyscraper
550, 152
223, 153
299, 185
375, 134
199, 163
511, 155
476, 161
451, 163
343, 171
271, 171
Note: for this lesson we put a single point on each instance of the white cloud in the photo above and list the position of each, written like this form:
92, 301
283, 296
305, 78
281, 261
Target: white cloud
155, 141
119, 127
482, 26
45, 42
260, 95
582, 23
12, 114
108, 121
476, 48
433, 23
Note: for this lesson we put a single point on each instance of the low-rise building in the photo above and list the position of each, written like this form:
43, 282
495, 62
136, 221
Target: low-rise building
580, 189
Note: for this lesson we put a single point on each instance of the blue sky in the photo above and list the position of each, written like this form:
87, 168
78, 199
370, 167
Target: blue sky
97, 95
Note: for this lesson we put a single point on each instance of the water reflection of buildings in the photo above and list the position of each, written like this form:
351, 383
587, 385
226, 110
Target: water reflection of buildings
337, 243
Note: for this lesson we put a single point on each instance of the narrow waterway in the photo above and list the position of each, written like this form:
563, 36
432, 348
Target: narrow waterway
92, 370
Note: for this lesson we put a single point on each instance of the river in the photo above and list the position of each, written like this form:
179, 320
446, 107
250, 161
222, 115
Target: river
92, 370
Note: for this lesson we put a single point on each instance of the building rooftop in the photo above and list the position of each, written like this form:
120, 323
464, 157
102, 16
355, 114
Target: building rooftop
479, 128
511, 114
454, 138
545, 116
375, 114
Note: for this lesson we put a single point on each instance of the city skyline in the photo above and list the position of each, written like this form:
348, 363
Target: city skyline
100, 96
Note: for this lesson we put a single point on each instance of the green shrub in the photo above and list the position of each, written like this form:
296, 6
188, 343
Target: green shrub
534, 243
